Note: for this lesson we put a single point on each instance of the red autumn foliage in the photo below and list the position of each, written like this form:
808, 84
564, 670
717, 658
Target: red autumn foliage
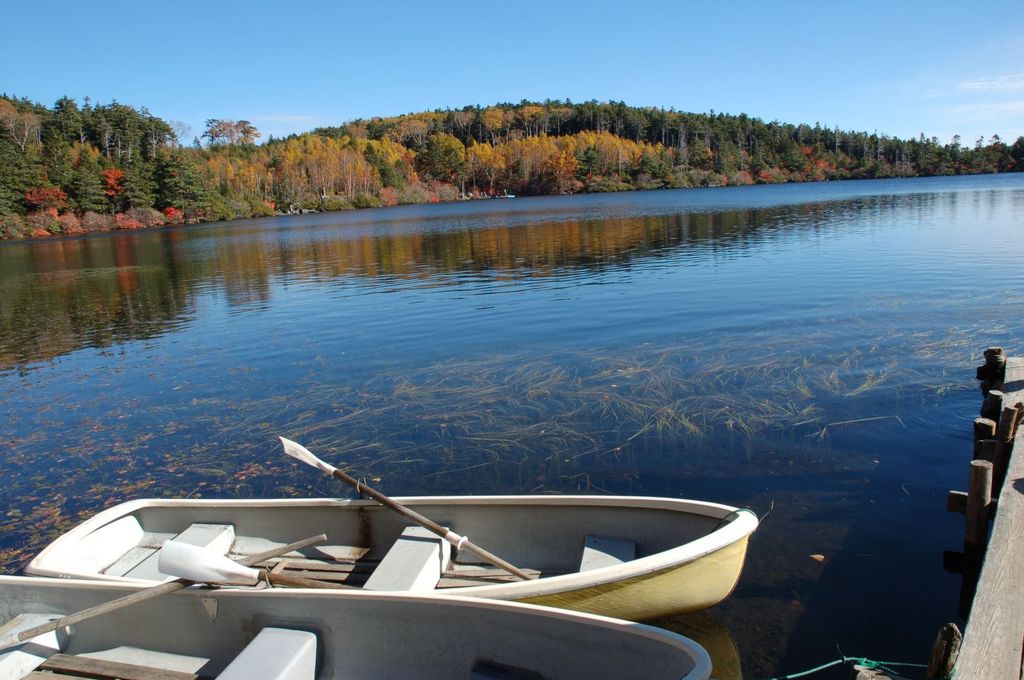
173, 215
113, 182
43, 224
125, 221
92, 221
47, 198
388, 196
70, 224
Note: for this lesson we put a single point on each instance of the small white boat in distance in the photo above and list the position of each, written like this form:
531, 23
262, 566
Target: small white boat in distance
628, 557
296, 634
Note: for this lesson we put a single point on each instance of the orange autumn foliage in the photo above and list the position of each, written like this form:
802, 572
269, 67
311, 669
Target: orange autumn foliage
113, 182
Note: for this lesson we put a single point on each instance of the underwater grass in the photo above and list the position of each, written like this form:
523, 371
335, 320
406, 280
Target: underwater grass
588, 420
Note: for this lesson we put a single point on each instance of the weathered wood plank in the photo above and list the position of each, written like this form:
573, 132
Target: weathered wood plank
325, 565
99, 668
480, 577
994, 639
308, 565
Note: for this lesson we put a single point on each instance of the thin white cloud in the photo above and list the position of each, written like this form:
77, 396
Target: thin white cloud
997, 84
988, 110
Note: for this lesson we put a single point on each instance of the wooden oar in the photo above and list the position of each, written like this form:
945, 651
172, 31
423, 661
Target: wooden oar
137, 597
300, 452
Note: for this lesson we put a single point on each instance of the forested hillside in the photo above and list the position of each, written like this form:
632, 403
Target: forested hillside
77, 168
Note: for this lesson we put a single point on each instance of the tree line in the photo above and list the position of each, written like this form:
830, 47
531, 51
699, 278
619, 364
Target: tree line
76, 168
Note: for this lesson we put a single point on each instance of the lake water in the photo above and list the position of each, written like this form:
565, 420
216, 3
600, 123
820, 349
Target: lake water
804, 350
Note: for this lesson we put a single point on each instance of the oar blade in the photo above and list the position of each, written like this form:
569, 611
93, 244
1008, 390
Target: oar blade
300, 452
201, 565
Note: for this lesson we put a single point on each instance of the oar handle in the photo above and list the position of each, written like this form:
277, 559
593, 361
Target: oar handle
156, 591
427, 523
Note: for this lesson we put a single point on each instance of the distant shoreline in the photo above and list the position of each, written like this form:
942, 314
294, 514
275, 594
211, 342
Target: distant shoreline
72, 170
43, 237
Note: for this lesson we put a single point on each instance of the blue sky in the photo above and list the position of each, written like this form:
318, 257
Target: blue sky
901, 68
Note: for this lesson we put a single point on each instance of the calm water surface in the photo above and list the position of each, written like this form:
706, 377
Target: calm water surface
803, 350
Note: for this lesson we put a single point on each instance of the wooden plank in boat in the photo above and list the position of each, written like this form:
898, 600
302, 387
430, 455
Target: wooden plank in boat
332, 576
492, 573
252, 545
312, 565
99, 668
463, 578
601, 552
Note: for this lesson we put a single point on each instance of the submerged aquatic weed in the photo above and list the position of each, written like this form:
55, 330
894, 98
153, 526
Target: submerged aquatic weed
586, 420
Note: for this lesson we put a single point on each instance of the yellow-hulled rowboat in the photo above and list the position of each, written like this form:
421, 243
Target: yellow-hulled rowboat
628, 557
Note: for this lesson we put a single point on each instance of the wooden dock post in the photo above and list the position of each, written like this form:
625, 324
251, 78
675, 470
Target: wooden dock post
979, 498
992, 405
984, 430
944, 651
992, 373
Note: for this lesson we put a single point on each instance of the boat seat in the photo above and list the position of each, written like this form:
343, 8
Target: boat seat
601, 552
415, 562
275, 654
216, 537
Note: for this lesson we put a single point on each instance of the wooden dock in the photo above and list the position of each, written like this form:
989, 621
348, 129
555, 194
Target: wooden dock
993, 640
992, 595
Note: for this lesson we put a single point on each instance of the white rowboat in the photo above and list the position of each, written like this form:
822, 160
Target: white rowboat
627, 557
295, 634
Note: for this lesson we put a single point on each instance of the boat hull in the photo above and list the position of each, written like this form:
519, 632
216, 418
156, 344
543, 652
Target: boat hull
690, 554
681, 589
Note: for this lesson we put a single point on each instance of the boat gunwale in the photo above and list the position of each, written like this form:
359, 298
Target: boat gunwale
738, 528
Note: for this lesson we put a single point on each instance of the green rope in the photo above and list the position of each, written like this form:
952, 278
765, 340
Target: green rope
886, 666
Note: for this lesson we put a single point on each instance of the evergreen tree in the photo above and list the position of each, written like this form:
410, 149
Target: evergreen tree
179, 184
139, 186
65, 123
19, 172
86, 190
58, 163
